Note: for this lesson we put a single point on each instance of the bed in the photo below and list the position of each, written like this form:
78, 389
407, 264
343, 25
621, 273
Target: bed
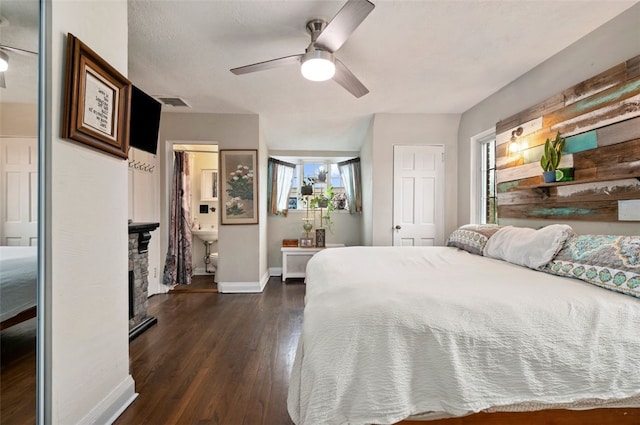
18, 292
393, 333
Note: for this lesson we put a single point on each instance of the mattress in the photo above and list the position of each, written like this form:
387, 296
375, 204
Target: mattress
393, 332
18, 273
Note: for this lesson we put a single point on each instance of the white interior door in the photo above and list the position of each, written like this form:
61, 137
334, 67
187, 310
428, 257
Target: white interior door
18, 191
418, 195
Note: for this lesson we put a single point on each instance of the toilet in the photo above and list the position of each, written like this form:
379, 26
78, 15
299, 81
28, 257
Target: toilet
213, 260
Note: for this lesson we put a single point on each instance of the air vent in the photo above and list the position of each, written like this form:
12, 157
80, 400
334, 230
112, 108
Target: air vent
176, 102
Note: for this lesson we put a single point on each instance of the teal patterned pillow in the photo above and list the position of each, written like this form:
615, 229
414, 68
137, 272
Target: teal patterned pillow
609, 261
472, 237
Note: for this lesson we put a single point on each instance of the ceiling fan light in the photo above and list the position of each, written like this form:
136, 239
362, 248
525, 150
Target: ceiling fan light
317, 65
4, 61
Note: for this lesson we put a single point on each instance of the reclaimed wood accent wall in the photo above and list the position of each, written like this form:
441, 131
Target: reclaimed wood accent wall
600, 119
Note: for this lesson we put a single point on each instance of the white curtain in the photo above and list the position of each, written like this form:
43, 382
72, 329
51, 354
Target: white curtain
351, 177
280, 175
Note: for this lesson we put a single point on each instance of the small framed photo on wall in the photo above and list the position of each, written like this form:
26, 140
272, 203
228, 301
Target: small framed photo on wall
293, 203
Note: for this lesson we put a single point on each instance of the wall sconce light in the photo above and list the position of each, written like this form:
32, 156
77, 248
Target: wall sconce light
514, 145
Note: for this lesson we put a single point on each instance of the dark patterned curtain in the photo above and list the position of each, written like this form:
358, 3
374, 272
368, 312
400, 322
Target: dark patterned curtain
178, 266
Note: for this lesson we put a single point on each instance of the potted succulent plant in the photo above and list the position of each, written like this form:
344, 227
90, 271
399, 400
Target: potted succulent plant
307, 186
322, 175
551, 158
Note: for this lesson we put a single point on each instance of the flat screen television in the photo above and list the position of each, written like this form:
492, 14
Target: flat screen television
144, 122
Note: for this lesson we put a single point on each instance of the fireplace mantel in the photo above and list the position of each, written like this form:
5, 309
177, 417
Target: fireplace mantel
139, 237
144, 236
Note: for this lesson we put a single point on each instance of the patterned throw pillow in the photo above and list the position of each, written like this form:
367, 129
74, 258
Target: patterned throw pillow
472, 237
608, 261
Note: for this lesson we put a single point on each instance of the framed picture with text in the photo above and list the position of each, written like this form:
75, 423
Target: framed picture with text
97, 101
238, 186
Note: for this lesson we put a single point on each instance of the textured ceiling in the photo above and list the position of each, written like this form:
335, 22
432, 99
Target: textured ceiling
19, 28
414, 56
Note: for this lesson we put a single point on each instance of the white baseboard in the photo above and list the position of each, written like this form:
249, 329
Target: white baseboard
200, 271
112, 406
244, 287
275, 271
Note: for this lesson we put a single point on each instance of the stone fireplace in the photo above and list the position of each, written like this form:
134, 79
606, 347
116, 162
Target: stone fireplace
139, 237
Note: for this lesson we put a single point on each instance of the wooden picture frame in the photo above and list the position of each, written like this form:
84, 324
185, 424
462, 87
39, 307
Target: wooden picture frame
306, 243
97, 101
238, 186
209, 185
321, 238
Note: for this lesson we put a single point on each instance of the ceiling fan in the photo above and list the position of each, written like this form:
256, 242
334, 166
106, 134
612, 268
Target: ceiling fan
318, 63
4, 60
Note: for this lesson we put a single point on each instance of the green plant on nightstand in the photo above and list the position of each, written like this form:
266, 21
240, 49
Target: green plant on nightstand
551, 157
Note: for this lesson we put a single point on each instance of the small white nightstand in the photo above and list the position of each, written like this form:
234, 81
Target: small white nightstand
294, 260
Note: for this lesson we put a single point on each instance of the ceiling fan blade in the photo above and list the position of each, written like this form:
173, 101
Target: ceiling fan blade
17, 50
274, 63
346, 79
3, 83
344, 24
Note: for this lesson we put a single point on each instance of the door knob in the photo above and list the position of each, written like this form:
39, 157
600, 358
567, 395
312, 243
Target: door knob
398, 227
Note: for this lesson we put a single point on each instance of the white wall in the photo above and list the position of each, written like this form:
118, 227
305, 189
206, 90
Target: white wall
409, 129
607, 46
18, 119
238, 245
366, 165
144, 198
263, 157
85, 314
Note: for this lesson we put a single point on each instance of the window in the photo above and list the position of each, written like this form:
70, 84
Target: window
483, 195
313, 169
488, 197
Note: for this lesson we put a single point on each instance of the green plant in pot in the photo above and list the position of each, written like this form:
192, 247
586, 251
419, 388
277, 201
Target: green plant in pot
322, 175
307, 186
323, 201
551, 158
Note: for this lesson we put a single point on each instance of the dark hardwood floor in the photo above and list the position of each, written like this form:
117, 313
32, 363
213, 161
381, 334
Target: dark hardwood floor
217, 358
223, 359
18, 374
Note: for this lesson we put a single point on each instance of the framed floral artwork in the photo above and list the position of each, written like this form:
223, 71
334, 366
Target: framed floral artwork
239, 186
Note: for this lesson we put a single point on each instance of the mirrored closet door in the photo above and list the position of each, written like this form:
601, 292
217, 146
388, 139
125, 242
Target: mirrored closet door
19, 33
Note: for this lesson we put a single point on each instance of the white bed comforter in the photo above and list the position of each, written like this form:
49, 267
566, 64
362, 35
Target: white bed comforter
18, 271
393, 332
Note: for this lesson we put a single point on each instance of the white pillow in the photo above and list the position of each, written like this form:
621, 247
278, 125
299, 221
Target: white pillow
527, 247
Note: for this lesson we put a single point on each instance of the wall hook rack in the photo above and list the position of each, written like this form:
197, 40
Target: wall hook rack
141, 166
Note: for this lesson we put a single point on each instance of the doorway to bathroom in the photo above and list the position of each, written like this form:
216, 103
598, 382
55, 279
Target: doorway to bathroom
200, 200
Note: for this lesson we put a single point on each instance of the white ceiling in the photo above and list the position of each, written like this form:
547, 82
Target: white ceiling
414, 56
19, 28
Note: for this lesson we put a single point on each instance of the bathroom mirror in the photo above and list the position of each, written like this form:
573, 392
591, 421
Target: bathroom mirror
19, 171
209, 185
